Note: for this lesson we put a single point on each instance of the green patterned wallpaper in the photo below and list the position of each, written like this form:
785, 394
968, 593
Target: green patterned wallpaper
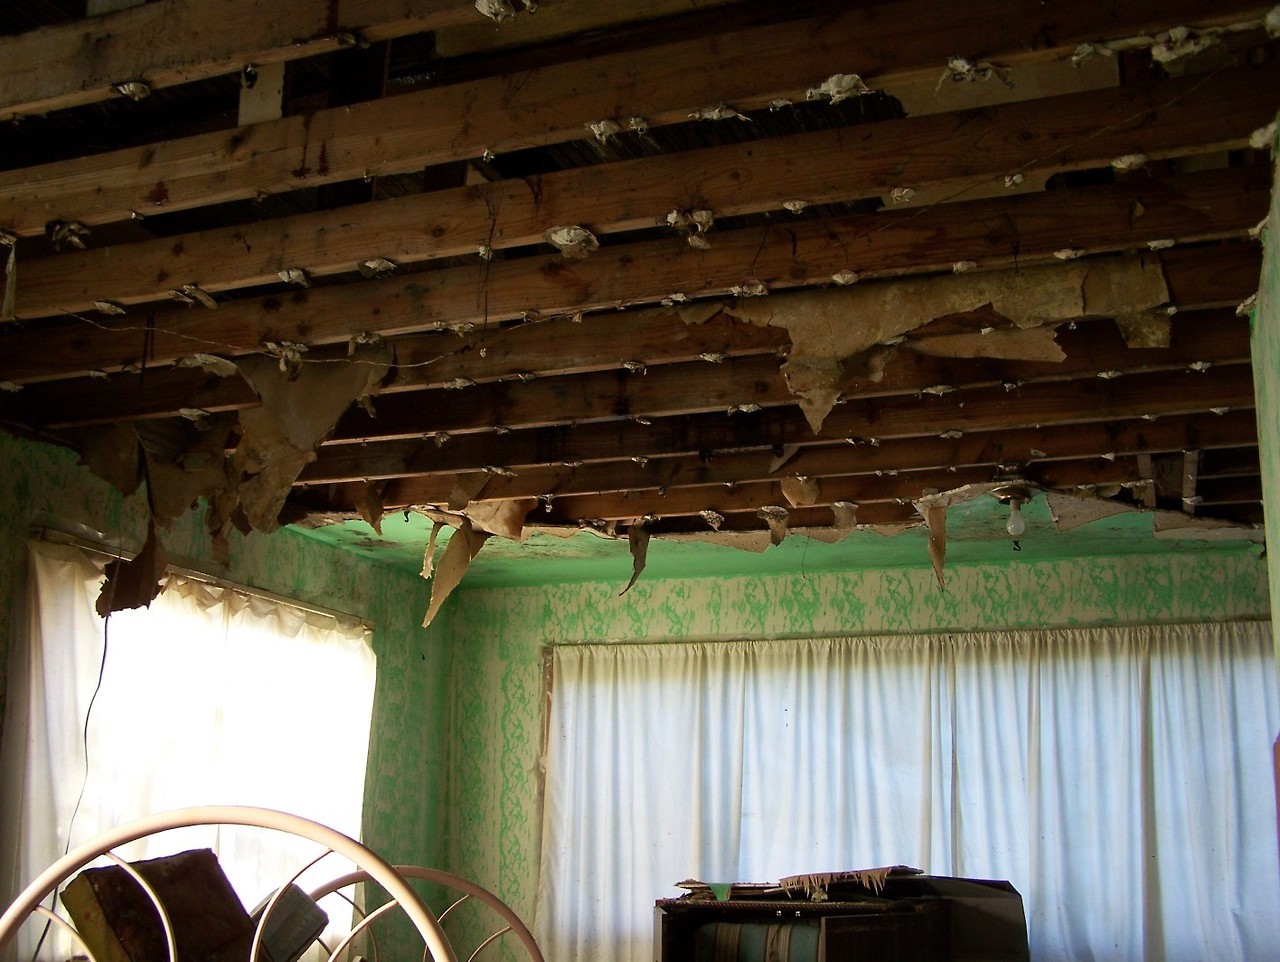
405, 788
499, 637
1266, 360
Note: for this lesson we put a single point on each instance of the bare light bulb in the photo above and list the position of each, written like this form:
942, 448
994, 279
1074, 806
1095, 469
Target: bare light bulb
1016, 525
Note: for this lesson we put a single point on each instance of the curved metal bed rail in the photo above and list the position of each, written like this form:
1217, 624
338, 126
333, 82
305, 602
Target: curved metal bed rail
513, 922
371, 865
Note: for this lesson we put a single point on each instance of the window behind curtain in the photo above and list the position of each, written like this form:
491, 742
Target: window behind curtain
211, 696
1119, 778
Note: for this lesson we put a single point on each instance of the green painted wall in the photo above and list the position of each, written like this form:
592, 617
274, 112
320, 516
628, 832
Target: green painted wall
405, 789
1266, 371
499, 637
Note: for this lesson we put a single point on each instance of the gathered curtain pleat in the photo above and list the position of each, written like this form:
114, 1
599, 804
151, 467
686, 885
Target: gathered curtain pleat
1120, 778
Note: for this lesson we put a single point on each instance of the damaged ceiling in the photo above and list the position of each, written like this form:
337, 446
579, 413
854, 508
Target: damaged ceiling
698, 269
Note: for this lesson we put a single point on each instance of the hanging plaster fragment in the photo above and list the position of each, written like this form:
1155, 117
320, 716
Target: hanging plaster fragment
66, 233
1271, 22
845, 515
1200, 366
288, 354
900, 195
573, 242
1220, 410
641, 420
638, 544
713, 518
635, 367
1162, 244
1012, 180
951, 435
1128, 162
1110, 375
458, 383
747, 408
496, 10
779, 103
641, 460
500, 471
638, 125
713, 357
7, 305
749, 288
962, 70
1248, 305
195, 415
845, 278
10, 387
838, 87
801, 491
110, 308
193, 294
694, 224
1255, 232
209, 362
485, 252
963, 267
776, 517
795, 206
1068, 253
937, 390
428, 556
1182, 42
603, 131
133, 89
718, 112
376, 267
671, 300
294, 275
1264, 138
441, 438
463, 546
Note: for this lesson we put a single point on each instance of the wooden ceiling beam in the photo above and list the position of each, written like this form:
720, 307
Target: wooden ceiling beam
179, 41
1021, 446
948, 152
860, 489
982, 409
993, 233
889, 46
661, 388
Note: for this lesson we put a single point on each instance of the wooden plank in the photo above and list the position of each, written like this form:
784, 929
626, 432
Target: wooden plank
179, 41
674, 380
1076, 441
946, 151
556, 103
1018, 231
870, 421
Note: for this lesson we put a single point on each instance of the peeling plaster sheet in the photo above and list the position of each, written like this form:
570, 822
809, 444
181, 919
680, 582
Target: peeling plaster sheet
829, 327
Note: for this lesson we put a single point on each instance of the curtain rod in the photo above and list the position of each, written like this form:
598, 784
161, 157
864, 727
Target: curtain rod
102, 549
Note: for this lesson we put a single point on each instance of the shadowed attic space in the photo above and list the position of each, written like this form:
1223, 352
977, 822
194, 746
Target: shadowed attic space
579, 269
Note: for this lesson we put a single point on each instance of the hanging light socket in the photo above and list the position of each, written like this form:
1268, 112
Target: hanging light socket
1015, 494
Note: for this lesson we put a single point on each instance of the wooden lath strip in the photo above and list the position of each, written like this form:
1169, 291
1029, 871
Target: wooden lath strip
1154, 395
948, 152
989, 449
890, 47
179, 41
1021, 231
664, 348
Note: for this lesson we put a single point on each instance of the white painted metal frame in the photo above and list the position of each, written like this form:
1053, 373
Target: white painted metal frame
371, 867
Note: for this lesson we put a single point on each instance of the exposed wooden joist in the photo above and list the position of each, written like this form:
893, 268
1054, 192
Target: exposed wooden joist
981, 409
1019, 230
889, 46
675, 381
950, 151
179, 41
992, 449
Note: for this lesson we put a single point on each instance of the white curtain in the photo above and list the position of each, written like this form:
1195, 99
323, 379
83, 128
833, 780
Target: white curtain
210, 696
1119, 778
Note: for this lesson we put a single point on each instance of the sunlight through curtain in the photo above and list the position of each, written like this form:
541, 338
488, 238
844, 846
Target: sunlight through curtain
1119, 778
210, 696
